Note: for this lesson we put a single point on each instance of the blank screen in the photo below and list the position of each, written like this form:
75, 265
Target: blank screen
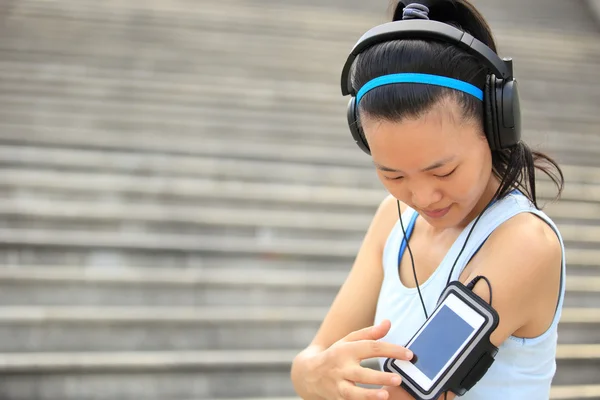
438, 342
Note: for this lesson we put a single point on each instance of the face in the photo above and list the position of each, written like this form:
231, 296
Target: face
439, 164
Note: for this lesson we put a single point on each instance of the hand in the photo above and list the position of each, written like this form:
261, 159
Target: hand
335, 372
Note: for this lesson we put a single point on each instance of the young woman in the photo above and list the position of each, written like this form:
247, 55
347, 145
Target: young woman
468, 207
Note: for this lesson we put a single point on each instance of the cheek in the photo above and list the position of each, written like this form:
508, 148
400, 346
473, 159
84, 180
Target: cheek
398, 189
472, 183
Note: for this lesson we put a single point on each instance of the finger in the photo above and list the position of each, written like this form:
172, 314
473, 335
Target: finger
374, 332
369, 376
349, 391
364, 349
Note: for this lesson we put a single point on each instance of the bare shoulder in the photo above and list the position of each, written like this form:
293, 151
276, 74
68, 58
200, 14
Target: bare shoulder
530, 237
524, 247
522, 259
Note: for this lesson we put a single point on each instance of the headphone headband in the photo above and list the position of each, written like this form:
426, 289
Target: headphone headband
425, 29
419, 78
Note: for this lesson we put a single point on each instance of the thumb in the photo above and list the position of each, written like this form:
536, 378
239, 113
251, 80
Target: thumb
374, 332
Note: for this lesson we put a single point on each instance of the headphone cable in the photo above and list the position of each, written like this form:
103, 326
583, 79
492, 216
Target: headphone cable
412, 260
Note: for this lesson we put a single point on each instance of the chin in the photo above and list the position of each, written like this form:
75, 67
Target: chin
450, 220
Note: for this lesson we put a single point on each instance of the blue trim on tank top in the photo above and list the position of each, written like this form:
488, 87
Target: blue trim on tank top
409, 229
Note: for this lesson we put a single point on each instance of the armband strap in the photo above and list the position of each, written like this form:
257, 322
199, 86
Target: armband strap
472, 370
478, 371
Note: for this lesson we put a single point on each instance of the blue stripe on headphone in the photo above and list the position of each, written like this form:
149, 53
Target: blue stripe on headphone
420, 78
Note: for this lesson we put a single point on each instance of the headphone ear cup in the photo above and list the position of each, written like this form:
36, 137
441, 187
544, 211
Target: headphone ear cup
509, 113
355, 128
490, 113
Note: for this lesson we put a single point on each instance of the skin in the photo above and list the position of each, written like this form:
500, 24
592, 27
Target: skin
521, 258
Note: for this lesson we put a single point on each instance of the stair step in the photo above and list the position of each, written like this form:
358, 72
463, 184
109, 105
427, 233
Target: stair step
53, 214
187, 130
283, 125
29, 79
575, 392
205, 287
34, 157
343, 153
262, 239
531, 45
194, 374
307, 11
285, 121
15, 180
94, 329
278, 16
59, 214
51, 223
266, 246
571, 52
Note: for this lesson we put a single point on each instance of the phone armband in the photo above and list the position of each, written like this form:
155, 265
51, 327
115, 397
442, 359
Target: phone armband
452, 348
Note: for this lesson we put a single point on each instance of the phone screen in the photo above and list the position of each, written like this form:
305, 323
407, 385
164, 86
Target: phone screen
439, 341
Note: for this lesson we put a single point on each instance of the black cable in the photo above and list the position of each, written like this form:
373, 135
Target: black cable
474, 281
467, 239
489, 204
412, 260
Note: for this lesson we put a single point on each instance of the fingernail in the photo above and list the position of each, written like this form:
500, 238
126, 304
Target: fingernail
381, 395
409, 354
396, 380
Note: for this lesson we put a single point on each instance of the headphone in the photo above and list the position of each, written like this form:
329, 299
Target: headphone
502, 115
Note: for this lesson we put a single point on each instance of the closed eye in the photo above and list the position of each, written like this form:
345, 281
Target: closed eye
393, 178
448, 174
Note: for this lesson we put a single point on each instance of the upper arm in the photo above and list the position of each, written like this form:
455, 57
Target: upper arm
522, 260
355, 304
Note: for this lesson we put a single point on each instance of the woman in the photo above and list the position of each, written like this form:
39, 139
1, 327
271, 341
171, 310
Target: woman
467, 207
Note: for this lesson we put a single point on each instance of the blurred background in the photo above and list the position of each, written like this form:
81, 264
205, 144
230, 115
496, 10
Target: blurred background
180, 197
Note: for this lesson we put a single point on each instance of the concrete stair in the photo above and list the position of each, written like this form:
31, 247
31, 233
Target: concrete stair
201, 287
44, 329
180, 199
58, 372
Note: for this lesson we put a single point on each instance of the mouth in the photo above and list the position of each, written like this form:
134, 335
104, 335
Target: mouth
439, 213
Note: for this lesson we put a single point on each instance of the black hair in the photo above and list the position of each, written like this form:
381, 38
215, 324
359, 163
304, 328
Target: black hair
514, 167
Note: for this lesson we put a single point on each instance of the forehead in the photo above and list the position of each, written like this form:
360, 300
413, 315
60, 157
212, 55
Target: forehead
415, 143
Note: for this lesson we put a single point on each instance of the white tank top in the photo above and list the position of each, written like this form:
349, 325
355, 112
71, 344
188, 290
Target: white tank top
523, 368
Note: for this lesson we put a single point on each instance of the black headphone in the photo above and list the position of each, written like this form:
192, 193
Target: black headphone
502, 119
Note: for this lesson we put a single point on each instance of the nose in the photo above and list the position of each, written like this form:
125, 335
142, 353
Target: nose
424, 196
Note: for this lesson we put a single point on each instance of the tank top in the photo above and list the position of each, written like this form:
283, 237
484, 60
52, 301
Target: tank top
523, 368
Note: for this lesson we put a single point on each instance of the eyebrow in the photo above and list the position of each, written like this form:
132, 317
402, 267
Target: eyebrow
435, 165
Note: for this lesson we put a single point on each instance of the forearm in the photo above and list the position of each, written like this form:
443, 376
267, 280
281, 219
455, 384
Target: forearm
398, 393
300, 366
449, 396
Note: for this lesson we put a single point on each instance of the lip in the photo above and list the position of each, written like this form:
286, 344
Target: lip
439, 213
